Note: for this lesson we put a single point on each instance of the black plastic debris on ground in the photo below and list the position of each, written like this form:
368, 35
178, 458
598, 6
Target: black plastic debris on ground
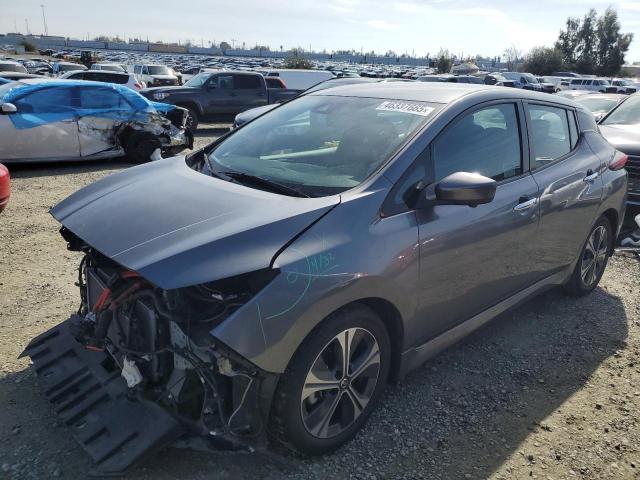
116, 431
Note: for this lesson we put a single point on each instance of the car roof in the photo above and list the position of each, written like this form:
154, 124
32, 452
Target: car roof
609, 96
435, 92
20, 75
99, 72
35, 81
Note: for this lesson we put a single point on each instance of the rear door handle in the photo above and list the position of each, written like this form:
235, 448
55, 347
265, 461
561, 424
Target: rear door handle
525, 204
591, 176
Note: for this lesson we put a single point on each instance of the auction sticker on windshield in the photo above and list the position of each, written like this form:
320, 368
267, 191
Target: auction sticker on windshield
415, 108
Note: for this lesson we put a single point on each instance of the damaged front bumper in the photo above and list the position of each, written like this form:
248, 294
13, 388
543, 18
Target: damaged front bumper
128, 380
114, 429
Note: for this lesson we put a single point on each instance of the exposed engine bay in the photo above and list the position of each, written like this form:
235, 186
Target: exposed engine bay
140, 351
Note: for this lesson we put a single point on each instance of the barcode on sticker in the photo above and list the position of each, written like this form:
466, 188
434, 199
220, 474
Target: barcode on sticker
415, 108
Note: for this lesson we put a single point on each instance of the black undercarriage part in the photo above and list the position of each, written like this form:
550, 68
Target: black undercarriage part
135, 369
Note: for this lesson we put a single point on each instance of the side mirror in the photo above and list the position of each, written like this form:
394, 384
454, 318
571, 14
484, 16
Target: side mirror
464, 188
212, 86
8, 108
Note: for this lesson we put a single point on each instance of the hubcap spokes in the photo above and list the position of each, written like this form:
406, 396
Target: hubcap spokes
340, 383
594, 256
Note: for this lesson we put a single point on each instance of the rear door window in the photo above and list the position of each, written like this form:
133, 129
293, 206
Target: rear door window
102, 99
550, 138
225, 82
246, 82
486, 141
115, 78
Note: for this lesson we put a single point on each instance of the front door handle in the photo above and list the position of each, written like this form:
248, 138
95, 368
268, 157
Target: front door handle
525, 204
591, 176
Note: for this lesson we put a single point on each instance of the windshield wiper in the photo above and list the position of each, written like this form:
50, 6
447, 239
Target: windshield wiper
263, 182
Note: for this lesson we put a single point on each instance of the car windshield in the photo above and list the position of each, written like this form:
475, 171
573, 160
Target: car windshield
597, 105
530, 78
198, 80
158, 70
628, 113
321, 145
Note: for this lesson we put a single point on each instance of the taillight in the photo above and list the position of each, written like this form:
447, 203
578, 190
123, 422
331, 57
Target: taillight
618, 161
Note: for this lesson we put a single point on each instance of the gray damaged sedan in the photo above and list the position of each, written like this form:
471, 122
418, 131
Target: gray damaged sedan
272, 284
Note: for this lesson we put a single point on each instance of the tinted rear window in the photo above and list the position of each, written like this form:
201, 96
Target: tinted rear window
247, 82
105, 77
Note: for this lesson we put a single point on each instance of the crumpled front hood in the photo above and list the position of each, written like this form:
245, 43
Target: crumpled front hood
178, 227
625, 138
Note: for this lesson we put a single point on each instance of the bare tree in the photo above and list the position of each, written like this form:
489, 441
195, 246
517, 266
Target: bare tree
512, 56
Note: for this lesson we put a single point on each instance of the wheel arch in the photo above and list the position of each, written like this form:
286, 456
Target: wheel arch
612, 216
392, 320
191, 105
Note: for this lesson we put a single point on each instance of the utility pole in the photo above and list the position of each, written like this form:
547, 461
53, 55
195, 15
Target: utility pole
26, 22
233, 43
44, 20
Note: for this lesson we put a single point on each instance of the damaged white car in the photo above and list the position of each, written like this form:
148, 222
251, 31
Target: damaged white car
53, 120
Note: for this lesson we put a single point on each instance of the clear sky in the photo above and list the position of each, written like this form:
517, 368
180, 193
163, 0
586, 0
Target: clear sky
422, 26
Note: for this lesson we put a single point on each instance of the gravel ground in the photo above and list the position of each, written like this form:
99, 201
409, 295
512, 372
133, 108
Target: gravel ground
549, 391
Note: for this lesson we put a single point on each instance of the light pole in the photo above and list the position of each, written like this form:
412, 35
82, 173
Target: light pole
44, 20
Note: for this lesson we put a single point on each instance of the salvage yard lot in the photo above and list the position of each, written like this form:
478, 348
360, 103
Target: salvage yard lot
550, 390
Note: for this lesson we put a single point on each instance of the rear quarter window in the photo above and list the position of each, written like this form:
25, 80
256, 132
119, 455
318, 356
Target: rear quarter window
115, 78
586, 121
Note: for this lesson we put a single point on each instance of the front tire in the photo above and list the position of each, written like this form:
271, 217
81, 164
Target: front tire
593, 259
332, 383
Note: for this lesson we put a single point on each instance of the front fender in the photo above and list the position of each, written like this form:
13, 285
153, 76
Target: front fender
328, 267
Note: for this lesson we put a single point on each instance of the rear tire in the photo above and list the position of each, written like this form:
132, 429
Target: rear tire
593, 259
318, 406
140, 145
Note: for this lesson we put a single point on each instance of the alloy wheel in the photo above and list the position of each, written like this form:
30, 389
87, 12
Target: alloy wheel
594, 256
340, 383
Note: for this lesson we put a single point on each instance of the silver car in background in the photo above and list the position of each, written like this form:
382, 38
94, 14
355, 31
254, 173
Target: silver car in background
60, 120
